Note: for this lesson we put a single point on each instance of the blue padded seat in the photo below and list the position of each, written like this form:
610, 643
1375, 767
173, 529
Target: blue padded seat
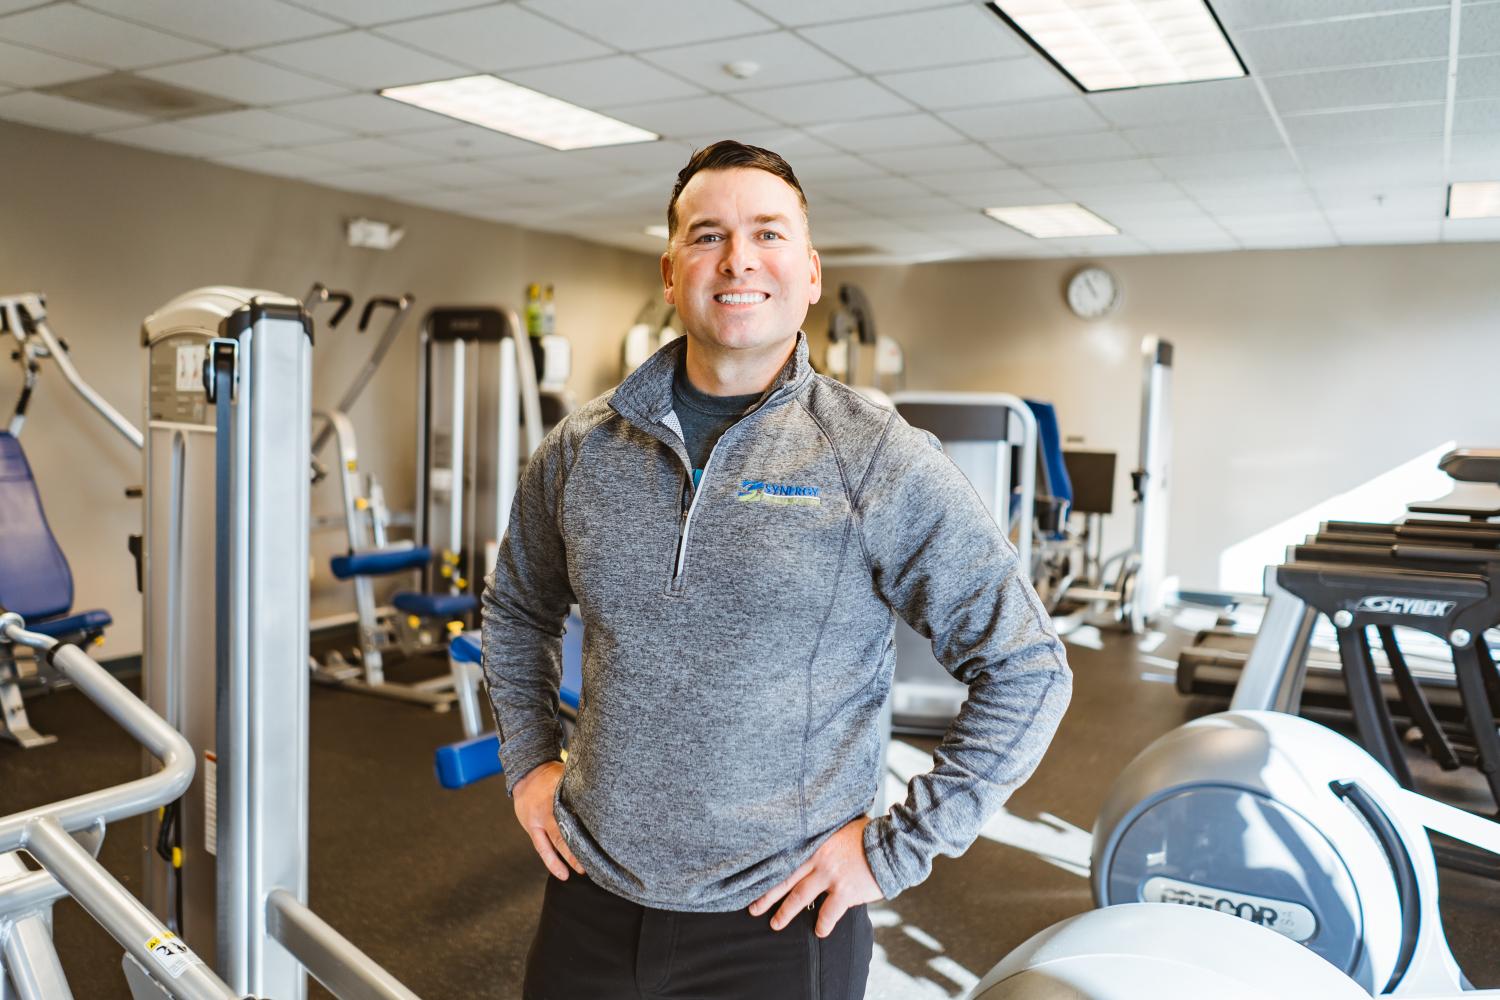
83, 622
434, 605
35, 581
1055, 470
380, 562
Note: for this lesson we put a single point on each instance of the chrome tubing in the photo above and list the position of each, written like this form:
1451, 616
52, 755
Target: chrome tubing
331, 958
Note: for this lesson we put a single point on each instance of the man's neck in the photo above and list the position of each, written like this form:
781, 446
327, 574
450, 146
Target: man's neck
735, 373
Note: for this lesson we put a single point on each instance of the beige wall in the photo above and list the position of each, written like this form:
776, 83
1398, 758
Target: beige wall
111, 232
1301, 375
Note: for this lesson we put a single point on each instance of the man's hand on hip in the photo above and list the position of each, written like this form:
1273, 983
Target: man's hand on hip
838, 868
534, 795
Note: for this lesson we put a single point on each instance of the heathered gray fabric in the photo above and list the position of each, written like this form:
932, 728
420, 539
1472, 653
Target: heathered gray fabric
731, 712
702, 418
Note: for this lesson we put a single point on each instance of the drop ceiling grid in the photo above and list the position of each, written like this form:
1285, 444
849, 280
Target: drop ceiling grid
1338, 75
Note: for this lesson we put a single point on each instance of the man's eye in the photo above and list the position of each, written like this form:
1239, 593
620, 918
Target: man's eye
769, 235
707, 237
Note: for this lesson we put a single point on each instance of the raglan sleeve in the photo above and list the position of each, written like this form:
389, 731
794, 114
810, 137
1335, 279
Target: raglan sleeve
938, 558
525, 604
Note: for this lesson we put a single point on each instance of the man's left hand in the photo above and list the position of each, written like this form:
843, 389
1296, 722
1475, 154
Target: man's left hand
838, 868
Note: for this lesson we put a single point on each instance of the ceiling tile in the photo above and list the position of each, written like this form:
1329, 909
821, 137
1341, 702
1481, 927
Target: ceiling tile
1209, 99
285, 162
789, 142
980, 183
1065, 149
952, 221
907, 209
881, 188
604, 83
1193, 244
23, 67
1403, 83
361, 60
644, 24
1212, 167
1103, 197
1344, 202
1469, 230
1479, 29
1476, 150
66, 30
1258, 13
495, 38
61, 114
1339, 127
814, 103
692, 116
999, 81
839, 167
1174, 229
1069, 175
1354, 41
450, 175
943, 37
552, 166
1388, 234
238, 78
1261, 222
467, 142
1478, 77
651, 158
264, 127
368, 113
1246, 203
895, 132
784, 59
366, 154
368, 12
1015, 121
372, 182
799, 12
238, 25
1468, 116
1205, 137
166, 137
1411, 163
937, 159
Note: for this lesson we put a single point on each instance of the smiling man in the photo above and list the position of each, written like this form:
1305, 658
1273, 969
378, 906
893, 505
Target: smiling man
739, 534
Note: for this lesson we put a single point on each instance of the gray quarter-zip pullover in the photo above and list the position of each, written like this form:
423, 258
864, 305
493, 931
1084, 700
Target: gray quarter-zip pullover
737, 654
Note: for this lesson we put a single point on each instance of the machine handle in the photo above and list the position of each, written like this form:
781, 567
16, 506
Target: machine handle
345, 301
381, 301
1401, 867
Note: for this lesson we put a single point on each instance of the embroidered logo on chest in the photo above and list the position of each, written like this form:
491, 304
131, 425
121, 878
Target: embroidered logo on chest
781, 494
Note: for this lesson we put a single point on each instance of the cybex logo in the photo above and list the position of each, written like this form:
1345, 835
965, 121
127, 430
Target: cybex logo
1421, 606
1288, 919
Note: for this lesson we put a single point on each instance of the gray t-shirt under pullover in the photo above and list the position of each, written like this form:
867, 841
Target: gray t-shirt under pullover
704, 418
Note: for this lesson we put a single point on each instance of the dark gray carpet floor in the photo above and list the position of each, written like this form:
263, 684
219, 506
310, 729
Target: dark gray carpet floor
443, 889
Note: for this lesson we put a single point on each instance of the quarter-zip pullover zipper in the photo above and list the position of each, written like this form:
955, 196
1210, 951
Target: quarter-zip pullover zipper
687, 519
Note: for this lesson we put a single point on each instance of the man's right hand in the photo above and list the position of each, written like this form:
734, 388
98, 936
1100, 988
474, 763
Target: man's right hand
534, 795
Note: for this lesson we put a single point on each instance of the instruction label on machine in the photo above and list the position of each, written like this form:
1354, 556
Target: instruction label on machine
171, 954
211, 802
190, 358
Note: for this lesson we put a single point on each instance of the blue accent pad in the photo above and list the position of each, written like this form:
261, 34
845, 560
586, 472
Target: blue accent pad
468, 761
380, 562
1049, 442
35, 581
83, 622
434, 605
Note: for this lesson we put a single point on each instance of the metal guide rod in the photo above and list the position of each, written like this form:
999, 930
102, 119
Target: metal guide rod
332, 960
24, 310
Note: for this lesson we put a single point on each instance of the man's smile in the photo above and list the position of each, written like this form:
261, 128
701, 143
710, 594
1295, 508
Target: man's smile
741, 298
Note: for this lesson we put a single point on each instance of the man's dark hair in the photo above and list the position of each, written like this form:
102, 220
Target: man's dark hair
728, 154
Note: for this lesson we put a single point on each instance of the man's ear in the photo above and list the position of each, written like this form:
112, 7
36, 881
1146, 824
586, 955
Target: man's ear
666, 278
817, 277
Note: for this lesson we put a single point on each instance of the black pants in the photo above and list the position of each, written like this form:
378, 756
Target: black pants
592, 945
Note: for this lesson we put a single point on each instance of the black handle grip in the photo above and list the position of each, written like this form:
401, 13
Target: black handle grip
1401, 867
345, 301
380, 301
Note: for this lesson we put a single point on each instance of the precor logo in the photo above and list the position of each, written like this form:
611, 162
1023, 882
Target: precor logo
1420, 606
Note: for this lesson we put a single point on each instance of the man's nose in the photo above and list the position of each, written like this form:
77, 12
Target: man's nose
740, 256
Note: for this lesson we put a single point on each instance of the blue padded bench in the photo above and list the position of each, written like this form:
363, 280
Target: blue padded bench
1055, 484
380, 562
467, 761
435, 605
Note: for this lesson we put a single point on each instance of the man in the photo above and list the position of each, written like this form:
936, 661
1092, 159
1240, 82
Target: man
739, 534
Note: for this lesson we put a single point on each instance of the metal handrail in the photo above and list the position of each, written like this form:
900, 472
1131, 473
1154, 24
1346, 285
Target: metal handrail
45, 832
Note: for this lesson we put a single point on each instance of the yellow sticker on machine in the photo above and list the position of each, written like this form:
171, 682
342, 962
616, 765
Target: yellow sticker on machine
171, 954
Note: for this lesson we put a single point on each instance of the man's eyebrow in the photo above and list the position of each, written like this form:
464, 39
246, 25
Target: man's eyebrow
760, 220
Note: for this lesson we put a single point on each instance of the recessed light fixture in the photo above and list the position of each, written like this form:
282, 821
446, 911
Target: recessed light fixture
1117, 44
497, 104
1050, 222
660, 232
1474, 200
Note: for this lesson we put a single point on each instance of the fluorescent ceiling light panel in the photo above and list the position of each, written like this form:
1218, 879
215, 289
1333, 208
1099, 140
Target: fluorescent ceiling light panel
1050, 222
1117, 44
1474, 200
660, 232
497, 104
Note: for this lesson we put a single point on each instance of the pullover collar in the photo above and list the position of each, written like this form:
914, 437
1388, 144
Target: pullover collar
645, 397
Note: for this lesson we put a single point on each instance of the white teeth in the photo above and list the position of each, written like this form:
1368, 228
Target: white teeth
741, 299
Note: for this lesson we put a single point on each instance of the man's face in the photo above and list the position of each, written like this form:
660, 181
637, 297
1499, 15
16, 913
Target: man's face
741, 270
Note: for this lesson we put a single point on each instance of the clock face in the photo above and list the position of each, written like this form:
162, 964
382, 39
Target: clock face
1092, 293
